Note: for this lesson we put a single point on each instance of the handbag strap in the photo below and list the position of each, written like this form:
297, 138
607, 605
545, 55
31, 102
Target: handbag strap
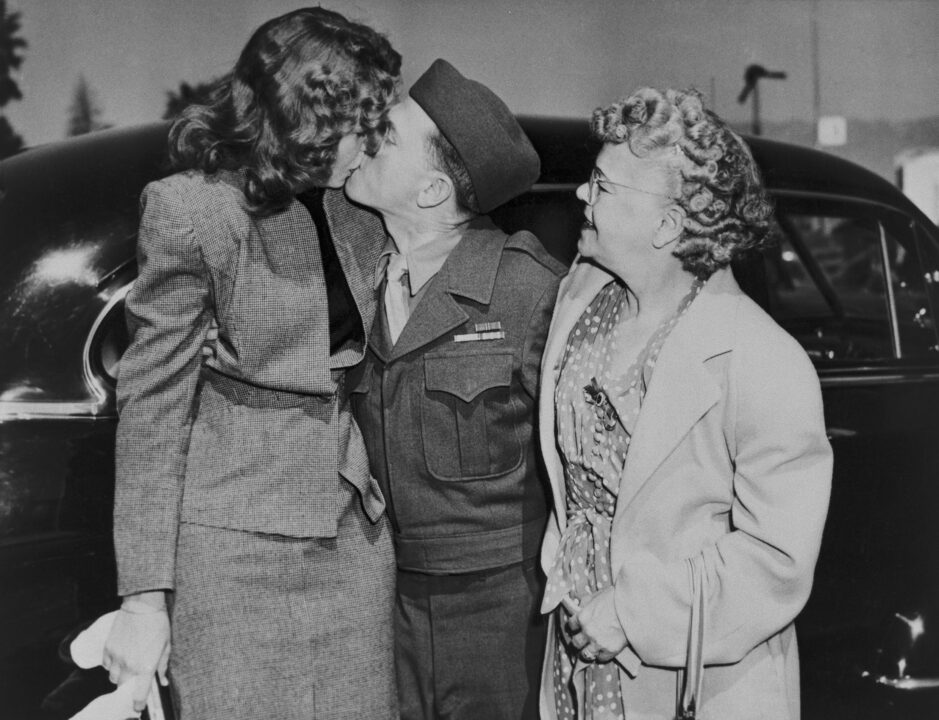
691, 680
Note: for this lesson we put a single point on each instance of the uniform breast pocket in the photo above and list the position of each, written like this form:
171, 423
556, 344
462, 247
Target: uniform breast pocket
468, 416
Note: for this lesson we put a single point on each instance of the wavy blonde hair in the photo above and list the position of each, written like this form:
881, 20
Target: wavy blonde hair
711, 172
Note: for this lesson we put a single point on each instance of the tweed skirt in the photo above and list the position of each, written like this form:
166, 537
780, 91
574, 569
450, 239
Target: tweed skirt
268, 626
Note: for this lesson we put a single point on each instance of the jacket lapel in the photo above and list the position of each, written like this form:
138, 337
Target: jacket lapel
576, 291
469, 272
682, 389
358, 236
436, 314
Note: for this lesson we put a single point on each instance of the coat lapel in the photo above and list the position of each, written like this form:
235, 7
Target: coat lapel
358, 237
436, 314
577, 289
469, 272
682, 389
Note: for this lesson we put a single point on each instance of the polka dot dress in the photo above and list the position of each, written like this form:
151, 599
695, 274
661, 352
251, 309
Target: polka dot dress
597, 409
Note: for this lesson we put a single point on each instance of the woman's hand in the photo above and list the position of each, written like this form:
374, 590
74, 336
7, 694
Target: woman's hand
595, 629
139, 644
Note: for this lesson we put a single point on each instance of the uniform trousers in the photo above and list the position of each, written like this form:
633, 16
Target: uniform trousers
269, 626
470, 646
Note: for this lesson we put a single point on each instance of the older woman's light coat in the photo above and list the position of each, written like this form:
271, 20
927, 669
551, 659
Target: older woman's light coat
730, 467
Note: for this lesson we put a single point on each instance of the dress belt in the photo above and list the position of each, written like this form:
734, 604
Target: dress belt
244, 393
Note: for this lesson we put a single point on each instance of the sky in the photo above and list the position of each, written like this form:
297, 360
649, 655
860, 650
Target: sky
878, 59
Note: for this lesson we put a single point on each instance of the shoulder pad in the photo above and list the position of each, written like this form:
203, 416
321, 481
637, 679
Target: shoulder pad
526, 242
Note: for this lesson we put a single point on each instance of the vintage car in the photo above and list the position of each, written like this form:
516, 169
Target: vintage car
854, 276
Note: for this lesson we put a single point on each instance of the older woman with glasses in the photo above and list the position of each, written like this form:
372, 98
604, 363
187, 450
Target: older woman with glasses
683, 435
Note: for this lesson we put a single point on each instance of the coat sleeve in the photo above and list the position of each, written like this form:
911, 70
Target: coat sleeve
757, 576
168, 314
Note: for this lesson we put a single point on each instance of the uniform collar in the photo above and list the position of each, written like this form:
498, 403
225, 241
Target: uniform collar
469, 261
473, 264
423, 261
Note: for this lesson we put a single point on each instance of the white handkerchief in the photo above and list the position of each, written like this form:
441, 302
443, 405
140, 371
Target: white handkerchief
87, 651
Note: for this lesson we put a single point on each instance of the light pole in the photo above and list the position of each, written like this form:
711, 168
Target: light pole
751, 83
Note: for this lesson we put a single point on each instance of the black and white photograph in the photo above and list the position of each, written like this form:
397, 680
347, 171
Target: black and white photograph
469, 360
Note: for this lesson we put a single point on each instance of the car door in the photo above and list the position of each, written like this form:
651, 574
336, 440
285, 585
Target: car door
853, 282
68, 225
56, 494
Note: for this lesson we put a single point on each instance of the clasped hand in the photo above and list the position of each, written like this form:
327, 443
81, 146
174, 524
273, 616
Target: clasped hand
594, 628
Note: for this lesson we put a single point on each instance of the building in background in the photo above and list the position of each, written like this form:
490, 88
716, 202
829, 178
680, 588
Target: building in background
918, 178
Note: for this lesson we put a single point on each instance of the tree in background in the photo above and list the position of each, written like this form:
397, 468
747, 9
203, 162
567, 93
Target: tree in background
11, 57
84, 114
186, 95
10, 142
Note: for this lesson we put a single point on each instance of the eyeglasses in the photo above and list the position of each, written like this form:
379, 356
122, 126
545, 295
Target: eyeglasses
597, 177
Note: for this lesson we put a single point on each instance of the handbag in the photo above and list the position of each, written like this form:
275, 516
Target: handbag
690, 680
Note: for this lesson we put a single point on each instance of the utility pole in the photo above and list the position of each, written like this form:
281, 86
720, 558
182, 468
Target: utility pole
751, 85
816, 80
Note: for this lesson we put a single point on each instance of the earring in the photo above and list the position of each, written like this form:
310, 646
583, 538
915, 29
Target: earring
665, 244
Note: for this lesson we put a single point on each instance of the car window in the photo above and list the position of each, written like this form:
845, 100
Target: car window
928, 266
915, 319
834, 277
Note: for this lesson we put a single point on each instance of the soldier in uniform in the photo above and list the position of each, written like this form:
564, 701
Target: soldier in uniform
446, 395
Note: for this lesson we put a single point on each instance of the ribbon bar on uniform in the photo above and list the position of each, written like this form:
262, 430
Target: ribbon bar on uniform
471, 337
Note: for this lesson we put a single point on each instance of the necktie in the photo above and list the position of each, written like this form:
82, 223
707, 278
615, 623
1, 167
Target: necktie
397, 295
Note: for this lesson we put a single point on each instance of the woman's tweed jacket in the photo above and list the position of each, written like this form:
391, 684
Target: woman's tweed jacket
258, 441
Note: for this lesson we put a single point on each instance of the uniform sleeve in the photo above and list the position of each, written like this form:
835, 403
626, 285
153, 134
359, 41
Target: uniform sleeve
536, 337
549, 271
168, 315
758, 576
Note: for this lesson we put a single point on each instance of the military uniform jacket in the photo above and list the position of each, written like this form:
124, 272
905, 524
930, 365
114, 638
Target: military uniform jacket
255, 438
449, 424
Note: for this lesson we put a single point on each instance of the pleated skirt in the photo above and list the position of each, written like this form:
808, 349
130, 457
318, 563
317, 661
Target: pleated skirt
268, 626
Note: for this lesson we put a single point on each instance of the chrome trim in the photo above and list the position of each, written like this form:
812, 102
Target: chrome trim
106, 279
887, 378
25, 410
908, 683
840, 433
891, 297
94, 408
91, 379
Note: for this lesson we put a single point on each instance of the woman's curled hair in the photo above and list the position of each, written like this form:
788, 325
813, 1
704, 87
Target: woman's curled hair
303, 81
715, 179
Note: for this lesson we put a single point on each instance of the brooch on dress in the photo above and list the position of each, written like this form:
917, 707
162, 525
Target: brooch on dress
596, 396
